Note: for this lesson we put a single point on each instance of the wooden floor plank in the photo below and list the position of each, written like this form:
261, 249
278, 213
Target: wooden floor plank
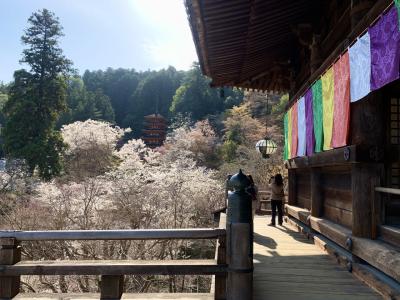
288, 266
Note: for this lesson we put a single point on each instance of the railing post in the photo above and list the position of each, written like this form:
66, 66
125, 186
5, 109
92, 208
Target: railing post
220, 279
239, 240
10, 254
111, 287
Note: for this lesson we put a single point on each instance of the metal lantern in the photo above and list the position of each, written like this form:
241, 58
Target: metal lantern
266, 147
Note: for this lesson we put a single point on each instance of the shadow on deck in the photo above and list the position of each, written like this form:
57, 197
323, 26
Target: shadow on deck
289, 266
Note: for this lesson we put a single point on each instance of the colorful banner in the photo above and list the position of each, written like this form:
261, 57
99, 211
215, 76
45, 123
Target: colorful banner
310, 139
301, 127
294, 115
341, 107
360, 68
285, 128
385, 49
318, 115
327, 104
320, 119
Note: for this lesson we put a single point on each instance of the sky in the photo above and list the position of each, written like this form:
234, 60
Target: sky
139, 34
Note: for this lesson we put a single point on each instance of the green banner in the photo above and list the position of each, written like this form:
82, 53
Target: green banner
318, 115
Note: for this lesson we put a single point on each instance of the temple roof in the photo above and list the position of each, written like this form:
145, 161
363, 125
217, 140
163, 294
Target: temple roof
247, 43
155, 116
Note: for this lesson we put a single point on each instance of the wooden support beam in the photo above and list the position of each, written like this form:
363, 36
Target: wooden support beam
332, 157
10, 253
292, 199
111, 287
300, 214
364, 179
337, 233
380, 255
316, 193
390, 234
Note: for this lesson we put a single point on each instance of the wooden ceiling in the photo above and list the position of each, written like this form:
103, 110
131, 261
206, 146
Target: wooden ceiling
247, 43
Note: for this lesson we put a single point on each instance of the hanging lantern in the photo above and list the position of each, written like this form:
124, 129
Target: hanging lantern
266, 147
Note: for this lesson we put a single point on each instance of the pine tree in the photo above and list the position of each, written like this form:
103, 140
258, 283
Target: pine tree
37, 97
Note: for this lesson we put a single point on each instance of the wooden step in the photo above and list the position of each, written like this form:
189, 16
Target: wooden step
114, 267
158, 296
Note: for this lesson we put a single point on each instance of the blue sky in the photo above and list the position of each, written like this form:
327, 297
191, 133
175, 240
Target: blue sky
140, 34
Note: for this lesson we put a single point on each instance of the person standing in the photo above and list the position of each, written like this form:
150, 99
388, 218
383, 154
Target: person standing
277, 196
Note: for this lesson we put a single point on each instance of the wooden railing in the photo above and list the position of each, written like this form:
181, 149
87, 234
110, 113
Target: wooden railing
230, 275
112, 271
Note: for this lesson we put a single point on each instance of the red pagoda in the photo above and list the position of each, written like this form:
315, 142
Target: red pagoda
154, 130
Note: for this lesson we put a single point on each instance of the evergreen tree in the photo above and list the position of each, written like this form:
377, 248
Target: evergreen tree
195, 96
37, 97
83, 104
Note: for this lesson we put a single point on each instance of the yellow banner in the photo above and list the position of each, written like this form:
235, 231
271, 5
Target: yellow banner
327, 107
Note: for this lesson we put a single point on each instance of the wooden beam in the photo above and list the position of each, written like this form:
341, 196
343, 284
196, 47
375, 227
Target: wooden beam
390, 234
292, 197
337, 233
316, 193
332, 157
138, 234
364, 179
114, 267
300, 214
380, 255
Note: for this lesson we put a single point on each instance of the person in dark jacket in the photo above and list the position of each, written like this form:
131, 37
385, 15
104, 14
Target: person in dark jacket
277, 197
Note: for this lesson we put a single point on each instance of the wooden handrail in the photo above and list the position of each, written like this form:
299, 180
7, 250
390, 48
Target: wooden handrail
114, 267
387, 190
139, 234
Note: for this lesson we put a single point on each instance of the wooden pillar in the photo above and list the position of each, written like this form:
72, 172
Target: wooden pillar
364, 178
220, 279
111, 287
316, 193
10, 253
292, 197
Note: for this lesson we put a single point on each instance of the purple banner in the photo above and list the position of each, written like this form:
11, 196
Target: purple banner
310, 139
385, 49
